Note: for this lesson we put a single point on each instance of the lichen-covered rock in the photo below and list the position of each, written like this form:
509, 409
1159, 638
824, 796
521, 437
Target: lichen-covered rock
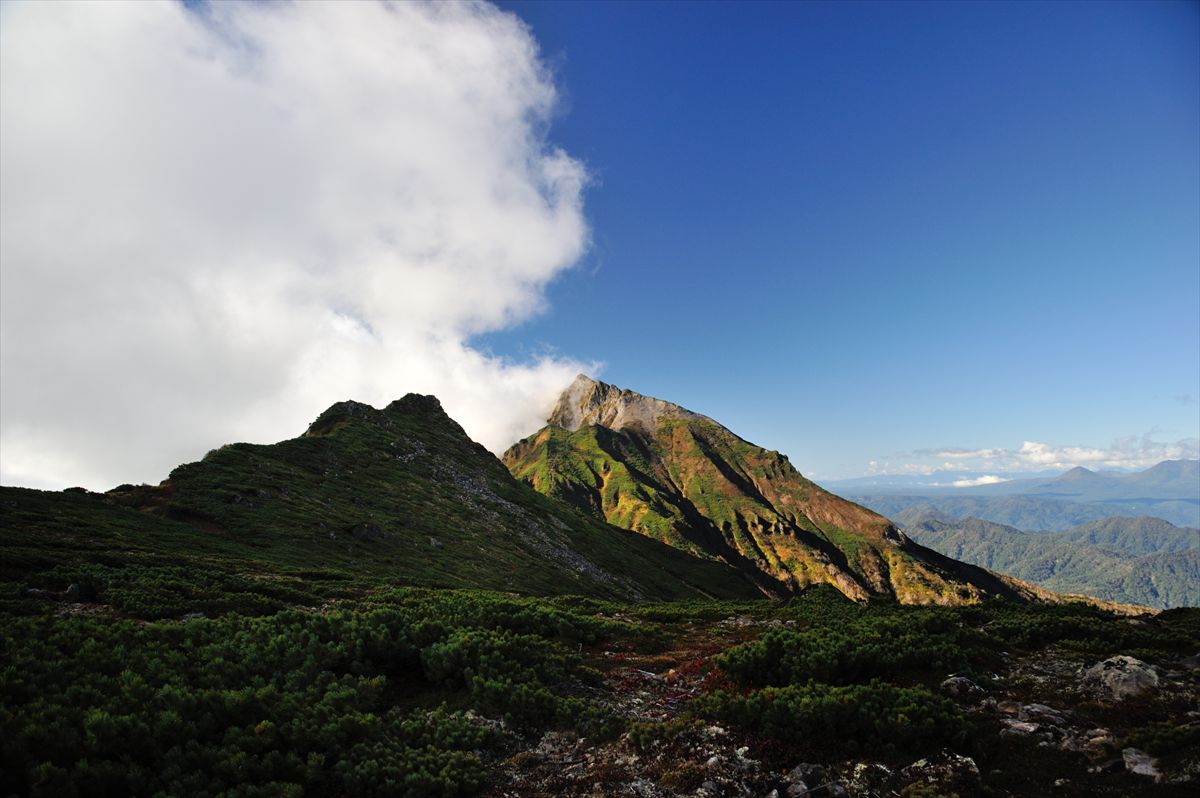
961, 688
1120, 678
947, 770
1018, 728
1140, 763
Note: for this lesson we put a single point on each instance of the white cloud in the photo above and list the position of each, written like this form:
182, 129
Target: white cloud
216, 224
1129, 453
968, 454
887, 467
986, 479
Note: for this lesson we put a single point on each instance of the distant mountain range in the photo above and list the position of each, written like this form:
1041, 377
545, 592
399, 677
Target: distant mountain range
1170, 479
1136, 560
681, 478
1169, 490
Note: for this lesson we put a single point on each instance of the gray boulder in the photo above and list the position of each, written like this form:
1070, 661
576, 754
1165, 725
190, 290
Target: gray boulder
1140, 763
1121, 677
961, 688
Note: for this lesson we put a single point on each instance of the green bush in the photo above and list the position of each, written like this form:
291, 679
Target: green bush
877, 715
298, 702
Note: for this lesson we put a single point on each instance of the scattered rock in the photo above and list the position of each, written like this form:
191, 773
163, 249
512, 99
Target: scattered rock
1018, 728
738, 621
869, 778
437, 544
1098, 743
947, 769
1041, 713
808, 773
1121, 677
1140, 763
961, 688
1009, 707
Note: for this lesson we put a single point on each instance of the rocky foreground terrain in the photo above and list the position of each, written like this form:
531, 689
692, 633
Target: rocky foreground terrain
1046, 723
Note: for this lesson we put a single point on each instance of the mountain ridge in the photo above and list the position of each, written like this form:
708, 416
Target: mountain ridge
401, 495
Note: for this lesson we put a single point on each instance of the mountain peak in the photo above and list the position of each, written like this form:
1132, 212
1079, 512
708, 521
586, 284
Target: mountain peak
413, 404
660, 470
417, 404
587, 401
1078, 472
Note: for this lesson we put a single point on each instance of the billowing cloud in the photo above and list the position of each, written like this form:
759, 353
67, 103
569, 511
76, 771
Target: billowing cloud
986, 479
218, 221
1128, 453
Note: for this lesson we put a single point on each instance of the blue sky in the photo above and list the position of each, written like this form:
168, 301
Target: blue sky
881, 238
878, 233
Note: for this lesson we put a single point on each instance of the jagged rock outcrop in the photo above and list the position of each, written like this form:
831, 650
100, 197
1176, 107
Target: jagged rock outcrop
680, 477
586, 402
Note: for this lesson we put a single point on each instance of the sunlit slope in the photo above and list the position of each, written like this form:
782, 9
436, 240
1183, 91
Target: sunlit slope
683, 479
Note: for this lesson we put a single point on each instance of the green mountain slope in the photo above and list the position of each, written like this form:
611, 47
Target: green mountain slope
683, 479
1153, 566
365, 498
1135, 536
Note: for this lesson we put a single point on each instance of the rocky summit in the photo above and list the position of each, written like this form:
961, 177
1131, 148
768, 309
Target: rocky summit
679, 477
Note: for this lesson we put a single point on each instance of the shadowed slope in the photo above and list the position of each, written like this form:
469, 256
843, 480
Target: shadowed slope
393, 496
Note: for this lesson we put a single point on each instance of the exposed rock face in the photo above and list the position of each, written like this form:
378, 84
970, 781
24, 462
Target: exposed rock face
679, 477
586, 402
1121, 677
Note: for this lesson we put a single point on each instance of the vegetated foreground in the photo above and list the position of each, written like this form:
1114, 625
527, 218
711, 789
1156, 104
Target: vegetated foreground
310, 618
417, 692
